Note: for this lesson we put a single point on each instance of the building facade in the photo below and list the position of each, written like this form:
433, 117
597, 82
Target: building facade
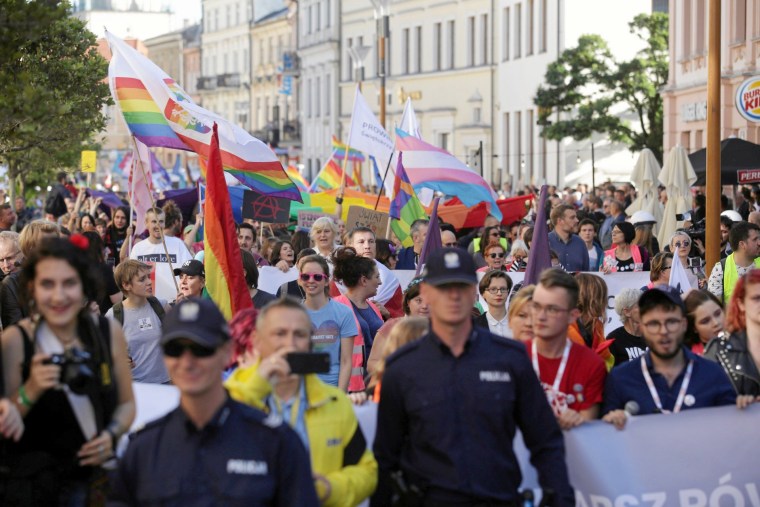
685, 97
531, 34
139, 19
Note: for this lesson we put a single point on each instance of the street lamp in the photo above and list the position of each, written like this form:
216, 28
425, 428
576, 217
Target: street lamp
382, 15
358, 54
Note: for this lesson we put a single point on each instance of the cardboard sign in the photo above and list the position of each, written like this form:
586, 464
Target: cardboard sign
89, 161
365, 217
306, 218
265, 208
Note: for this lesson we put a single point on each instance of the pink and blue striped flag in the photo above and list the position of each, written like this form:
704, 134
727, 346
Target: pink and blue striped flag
405, 207
431, 167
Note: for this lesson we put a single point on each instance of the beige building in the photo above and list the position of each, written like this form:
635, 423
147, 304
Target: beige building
685, 97
273, 83
440, 55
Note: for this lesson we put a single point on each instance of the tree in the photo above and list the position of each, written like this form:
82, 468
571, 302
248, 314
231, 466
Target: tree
52, 87
586, 84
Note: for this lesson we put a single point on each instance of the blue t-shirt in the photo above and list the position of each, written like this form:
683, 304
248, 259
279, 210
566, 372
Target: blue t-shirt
370, 323
328, 325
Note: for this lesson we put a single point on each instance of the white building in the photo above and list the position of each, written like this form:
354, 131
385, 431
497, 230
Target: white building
138, 19
530, 34
319, 53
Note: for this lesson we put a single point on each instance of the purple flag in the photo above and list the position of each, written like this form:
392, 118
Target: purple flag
433, 240
539, 258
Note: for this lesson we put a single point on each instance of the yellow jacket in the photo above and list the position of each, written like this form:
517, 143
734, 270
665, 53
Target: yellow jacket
337, 446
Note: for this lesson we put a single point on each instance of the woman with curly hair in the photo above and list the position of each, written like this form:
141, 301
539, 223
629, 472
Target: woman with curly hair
588, 330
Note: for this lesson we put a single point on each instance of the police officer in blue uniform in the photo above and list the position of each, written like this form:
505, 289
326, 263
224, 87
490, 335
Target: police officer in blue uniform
211, 450
451, 403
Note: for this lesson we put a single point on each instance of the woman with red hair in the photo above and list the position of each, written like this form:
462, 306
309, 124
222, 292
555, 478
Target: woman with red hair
739, 352
242, 326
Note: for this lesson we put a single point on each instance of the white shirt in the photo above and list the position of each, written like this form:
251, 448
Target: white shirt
498, 327
161, 275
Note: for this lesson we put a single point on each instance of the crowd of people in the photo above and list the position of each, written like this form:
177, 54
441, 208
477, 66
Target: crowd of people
458, 359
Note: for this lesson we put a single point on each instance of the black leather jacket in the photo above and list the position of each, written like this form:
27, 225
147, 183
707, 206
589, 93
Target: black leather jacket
732, 354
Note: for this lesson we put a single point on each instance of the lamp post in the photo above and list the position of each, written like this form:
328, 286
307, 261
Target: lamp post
358, 54
382, 15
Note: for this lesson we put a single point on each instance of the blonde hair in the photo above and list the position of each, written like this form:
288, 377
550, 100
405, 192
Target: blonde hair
32, 234
405, 331
520, 299
323, 223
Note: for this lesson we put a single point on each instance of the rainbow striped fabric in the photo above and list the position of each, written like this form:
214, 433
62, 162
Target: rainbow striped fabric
324, 202
225, 280
329, 177
300, 181
405, 208
431, 167
339, 151
158, 112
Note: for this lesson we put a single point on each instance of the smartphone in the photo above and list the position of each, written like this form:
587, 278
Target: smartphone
302, 363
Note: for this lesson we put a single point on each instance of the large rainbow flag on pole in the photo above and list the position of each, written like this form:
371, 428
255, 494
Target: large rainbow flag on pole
158, 112
329, 177
431, 167
225, 280
405, 207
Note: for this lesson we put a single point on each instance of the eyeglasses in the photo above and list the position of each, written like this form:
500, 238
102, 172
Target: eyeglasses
450, 245
551, 310
494, 235
685, 243
496, 255
317, 277
655, 326
177, 348
497, 290
617, 231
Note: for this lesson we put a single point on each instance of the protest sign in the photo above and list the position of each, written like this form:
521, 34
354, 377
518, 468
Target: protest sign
265, 208
306, 218
89, 161
365, 217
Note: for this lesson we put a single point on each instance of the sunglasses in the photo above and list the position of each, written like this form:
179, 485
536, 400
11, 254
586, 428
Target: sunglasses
177, 349
685, 243
317, 277
496, 255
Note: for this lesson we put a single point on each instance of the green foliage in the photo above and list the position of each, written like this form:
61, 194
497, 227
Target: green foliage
587, 84
52, 88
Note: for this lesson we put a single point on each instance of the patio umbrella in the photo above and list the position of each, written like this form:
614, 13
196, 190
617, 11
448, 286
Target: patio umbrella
735, 154
678, 176
644, 178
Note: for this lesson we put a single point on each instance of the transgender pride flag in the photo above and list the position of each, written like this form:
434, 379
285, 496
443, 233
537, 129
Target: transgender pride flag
428, 166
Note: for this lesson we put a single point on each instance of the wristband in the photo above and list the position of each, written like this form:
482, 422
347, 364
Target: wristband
339, 200
23, 399
114, 439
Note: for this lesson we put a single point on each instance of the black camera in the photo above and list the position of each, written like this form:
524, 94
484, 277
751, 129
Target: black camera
75, 369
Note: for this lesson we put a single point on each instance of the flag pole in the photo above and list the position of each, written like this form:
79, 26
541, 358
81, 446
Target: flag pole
153, 205
424, 252
382, 184
342, 188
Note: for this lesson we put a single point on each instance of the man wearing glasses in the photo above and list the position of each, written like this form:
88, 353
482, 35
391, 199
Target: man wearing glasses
211, 450
745, 243
572, 375
667, 378
452, 401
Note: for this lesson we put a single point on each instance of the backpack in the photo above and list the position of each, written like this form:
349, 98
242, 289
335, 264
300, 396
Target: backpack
155, 304
55, 203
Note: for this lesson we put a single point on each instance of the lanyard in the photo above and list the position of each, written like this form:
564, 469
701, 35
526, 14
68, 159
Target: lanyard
560, 370
296, 409
656, 396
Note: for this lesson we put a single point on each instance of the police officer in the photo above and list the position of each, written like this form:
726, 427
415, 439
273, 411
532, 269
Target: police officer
451, 404
211, 450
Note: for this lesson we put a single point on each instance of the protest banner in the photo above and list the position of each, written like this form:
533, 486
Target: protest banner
365, 217
306, 217
265, 208
89, 161
272, 278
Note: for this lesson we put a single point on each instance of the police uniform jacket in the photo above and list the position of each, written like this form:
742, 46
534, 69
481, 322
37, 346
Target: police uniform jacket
337, 446
448, 423
732, 353
240, 458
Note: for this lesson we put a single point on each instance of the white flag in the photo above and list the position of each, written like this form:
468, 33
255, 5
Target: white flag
678, 277
366, 133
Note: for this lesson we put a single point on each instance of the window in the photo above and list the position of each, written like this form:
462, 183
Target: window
279, 48
349, 63
216, 19
698, 140
452, 44
234, 62
267, 110
530, 135
699, 42
405, 51
685, 140
328, 82
518, 31
237, 14
259, 115
507, 154
470, 41
739, 20
437, 46
318, 97
318, 24
307, 96
443, 141
686, 30
418, 48
270, 47
225, 63
529, 27
328, 13
476, 114
309, 18
245, 61
543, 26
543, 168
505, 35
518, 146
484, 39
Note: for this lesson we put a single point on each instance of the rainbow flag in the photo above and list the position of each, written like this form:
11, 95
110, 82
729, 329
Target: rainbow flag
329, 177
158, 112
431, 167
339, 151
225, 280
325, 202
405, 208
300, 181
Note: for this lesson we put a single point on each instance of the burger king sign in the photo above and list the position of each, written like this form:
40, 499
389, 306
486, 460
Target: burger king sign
748, 99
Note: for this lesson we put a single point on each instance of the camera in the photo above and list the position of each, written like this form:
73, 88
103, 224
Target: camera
75, 369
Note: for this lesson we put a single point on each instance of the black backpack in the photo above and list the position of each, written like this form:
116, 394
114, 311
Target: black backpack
155, 304
55, 203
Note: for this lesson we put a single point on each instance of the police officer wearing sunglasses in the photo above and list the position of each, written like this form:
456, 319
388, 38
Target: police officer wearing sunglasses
210, 450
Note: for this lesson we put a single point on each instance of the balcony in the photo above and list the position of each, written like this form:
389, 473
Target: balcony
207, 83
231, 80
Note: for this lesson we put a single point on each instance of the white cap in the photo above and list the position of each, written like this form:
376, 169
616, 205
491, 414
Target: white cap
642, 217
733, 215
